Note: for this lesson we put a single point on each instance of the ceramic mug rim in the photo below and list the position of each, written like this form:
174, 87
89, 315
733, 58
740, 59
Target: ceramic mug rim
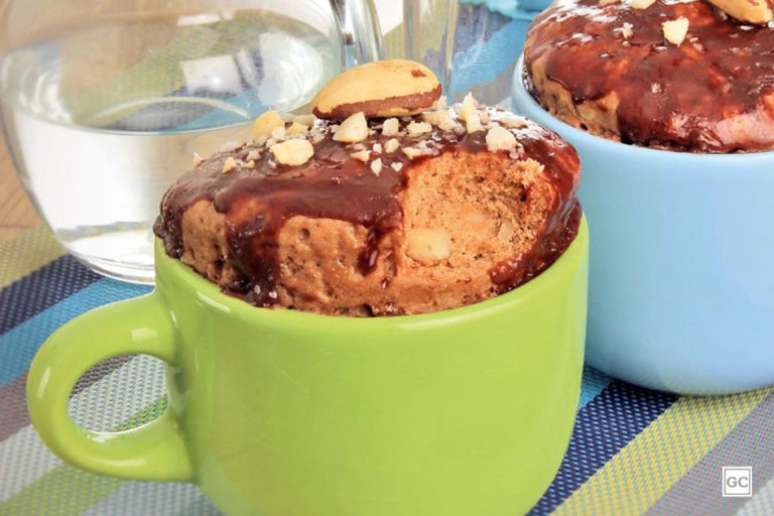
581, 138
182, 276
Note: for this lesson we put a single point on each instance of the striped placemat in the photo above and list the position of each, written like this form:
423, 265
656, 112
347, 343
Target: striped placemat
633, 451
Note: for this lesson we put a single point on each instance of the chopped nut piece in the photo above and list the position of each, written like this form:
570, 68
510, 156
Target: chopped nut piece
440, 119
604, 3
469, 106
278, 133
377, 148
353, 129
675, 30
441, 103
625, 30
641, 4
253, 155
250, 164
297, 129
428, 246
655, 87
396, 166
417, 128
376, 166
197, 159
468, 112
505, 233
420, 149
292, 152
513, 121
413, 152
391, 145
498, 138
391, 127
362, 155
307, 120
266, 123
473, 123
229, 164
484, 117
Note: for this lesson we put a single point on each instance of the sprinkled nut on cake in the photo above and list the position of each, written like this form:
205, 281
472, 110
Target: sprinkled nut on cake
675, 30
353, 129
292, 152
641, 4
266, 123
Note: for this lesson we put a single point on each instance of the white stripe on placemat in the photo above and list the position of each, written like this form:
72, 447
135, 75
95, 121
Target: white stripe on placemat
116, 397
762, 502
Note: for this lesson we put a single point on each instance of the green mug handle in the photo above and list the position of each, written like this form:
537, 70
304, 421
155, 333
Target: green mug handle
153, 451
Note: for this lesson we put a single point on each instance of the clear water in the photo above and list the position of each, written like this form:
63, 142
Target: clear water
101, 121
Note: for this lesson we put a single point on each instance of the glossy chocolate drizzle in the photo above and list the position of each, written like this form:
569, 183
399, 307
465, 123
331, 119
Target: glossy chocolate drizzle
257, 200
685, 97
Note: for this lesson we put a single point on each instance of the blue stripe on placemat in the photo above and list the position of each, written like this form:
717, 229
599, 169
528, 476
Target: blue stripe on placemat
18, 345
41, 289
603, 427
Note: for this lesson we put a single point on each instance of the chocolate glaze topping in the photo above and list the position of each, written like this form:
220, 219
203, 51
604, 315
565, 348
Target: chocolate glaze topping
712, 93
259, 195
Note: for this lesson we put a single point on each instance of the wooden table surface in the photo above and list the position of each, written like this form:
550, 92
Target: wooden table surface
16, 211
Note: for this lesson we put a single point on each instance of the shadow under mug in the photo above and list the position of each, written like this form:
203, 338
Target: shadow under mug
681, 294
285, 413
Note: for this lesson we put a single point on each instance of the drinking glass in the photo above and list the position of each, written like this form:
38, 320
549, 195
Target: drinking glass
104, 103
427, 36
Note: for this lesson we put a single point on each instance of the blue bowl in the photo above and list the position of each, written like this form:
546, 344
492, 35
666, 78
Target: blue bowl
682, 261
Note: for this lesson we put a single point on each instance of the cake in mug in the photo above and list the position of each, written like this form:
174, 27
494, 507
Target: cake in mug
386, 202
666, 74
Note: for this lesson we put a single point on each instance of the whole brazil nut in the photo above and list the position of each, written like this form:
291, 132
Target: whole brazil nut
394, 87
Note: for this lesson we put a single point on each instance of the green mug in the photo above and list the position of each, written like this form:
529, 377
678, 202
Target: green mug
284, 413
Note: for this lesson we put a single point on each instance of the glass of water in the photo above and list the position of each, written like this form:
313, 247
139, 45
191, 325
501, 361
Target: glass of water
104, 103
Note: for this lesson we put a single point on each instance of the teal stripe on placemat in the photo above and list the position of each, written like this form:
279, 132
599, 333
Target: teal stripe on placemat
594, 383
18, 345
27, 296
